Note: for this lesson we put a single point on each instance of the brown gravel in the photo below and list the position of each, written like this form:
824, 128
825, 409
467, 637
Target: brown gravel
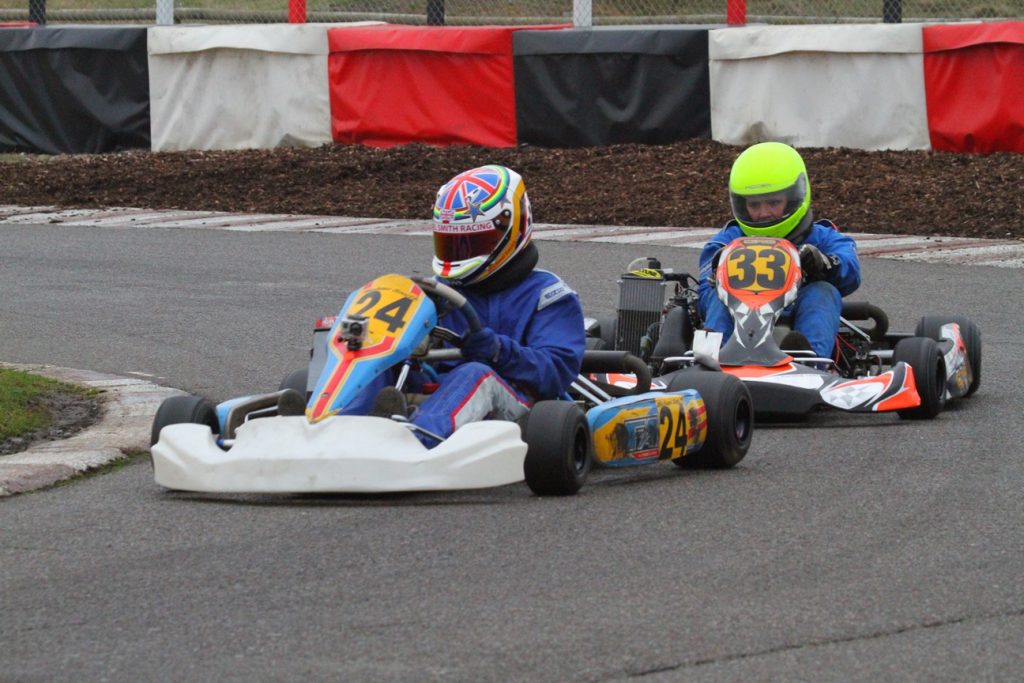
675, 185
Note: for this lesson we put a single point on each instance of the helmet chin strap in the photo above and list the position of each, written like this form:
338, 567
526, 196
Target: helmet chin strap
799, 233
516, 270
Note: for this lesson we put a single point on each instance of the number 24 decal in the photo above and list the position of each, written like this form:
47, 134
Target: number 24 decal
392, 314
675, 433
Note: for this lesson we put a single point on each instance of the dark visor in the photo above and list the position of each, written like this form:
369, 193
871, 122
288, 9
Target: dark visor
459, 246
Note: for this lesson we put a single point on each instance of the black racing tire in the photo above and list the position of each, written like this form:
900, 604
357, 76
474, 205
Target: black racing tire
595, 344
184, 410
929, 367
729, 411
559, 454
931, 326
296, 379
608, 325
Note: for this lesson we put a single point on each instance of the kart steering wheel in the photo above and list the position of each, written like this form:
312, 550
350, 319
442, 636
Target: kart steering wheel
442, 291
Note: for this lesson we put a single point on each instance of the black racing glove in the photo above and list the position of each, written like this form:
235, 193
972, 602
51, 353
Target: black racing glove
816, 265
482, 346
712, 275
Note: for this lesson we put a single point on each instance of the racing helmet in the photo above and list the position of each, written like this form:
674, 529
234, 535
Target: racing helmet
482, 220
770, 171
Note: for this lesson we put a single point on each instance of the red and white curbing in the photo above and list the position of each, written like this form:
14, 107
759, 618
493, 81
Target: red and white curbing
1005, 253
127, 406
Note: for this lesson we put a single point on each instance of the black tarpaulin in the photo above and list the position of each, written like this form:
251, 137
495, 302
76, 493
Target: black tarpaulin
605, 86
81, 89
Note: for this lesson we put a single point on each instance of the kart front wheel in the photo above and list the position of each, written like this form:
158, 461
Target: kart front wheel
931, 326
558, 455
184, 410
929, 367
729, 411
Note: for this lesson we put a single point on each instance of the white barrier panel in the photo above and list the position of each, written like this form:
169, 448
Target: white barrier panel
856, 86
239, 86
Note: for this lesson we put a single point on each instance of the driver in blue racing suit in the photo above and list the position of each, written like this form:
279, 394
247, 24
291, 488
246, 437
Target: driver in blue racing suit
532, 341
771, 197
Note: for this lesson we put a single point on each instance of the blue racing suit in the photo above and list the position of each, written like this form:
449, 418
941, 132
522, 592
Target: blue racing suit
815, 313
539, 326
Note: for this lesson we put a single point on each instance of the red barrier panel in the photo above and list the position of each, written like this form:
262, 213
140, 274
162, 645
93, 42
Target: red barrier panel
973, 75
392, 85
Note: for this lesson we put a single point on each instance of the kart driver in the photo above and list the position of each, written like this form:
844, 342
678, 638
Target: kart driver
532, 341
771, 197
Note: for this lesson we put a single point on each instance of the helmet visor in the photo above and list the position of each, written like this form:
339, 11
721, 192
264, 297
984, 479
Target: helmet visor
769, 208
453, 242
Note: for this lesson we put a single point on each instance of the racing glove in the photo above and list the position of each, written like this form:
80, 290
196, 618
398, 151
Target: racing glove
482, 345
816, 265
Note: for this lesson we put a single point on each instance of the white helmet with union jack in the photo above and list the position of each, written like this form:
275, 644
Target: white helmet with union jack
482, 219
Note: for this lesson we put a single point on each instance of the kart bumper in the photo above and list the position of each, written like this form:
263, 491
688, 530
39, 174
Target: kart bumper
793, 389
346, 454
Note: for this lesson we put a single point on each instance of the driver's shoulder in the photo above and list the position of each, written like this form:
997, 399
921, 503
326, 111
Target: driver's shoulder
727, 233
546, 288
825, 232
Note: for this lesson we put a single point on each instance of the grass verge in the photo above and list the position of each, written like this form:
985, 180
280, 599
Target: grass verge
25, 399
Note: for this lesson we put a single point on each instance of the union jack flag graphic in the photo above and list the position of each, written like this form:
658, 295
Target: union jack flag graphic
471, 194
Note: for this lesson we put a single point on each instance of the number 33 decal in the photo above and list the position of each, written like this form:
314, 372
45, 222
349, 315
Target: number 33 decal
758, 268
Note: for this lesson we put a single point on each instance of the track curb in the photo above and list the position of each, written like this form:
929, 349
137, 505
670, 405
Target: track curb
127, 407
1005, 253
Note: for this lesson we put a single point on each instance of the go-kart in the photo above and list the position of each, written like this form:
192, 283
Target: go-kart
294, 439
870, 369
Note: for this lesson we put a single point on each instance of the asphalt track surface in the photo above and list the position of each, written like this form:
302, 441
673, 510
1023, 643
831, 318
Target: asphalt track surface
847, 548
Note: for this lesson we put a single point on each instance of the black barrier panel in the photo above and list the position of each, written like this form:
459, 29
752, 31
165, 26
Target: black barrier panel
612, 85
73, 89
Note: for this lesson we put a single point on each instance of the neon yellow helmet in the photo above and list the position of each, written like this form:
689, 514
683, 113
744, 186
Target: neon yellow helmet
770, 172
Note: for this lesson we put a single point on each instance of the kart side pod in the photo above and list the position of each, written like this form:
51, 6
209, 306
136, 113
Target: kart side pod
705, 419
639, 429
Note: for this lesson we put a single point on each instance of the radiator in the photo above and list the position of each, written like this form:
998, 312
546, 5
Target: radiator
641, 302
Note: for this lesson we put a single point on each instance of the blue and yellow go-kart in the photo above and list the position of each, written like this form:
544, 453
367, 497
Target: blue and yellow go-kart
296, 440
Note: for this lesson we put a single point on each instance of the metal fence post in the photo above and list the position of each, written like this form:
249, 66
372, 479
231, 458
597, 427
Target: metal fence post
435, 12
165, 12
736, 12
582, 13
892, 11
37, 11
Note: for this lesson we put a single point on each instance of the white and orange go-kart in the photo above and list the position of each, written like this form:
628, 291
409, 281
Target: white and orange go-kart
870, 370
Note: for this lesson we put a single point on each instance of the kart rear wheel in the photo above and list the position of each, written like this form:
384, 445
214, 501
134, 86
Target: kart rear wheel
931, 326
605, 338
729, 411
184, 410
929, 367
558, 456
296, 379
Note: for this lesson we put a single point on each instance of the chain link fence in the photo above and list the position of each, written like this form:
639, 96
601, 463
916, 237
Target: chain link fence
507, 12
